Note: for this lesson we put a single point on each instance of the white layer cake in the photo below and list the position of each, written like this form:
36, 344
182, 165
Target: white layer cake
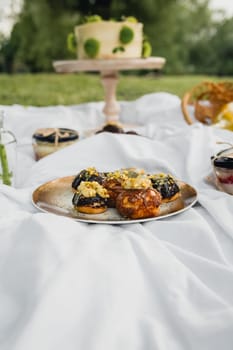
107, 33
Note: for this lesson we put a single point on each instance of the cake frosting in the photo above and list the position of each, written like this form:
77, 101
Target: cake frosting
111, 39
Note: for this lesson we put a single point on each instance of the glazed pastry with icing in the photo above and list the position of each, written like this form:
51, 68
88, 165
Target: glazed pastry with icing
138, 200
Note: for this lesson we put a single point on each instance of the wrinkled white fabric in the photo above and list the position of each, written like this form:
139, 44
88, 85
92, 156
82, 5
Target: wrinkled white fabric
164, 284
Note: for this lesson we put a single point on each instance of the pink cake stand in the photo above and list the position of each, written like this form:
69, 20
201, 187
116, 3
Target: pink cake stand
109, 76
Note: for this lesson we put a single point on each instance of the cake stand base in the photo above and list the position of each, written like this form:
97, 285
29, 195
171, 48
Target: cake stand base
109, 69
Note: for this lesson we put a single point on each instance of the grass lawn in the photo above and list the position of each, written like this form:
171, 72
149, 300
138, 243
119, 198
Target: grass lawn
57, 89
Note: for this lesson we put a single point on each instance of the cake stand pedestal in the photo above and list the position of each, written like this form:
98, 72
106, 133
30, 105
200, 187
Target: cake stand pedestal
109, 76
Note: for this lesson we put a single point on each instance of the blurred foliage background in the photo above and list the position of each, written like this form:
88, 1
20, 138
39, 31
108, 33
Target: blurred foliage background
188, 33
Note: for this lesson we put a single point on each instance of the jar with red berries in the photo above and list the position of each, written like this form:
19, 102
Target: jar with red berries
223, 168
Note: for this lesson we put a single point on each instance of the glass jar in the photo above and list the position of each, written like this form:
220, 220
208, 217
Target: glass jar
49, 140
7, 154
223, 169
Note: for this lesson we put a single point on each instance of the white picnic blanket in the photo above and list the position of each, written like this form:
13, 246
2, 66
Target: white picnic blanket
164, 284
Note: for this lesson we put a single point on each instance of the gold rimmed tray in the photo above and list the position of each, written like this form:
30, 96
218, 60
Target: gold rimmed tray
56, 197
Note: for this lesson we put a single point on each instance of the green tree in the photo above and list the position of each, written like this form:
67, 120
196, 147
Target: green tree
41, 32
222, 44
183, 31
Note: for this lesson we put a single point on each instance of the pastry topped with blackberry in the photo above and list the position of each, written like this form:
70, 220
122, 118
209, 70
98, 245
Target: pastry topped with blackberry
90, 198
89, 174
166, 185
170, 192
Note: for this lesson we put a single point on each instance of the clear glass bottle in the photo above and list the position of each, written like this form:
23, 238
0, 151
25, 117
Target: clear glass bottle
7, 154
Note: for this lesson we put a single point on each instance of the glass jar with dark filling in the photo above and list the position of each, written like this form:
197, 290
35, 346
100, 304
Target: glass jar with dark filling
49, 140
223, 168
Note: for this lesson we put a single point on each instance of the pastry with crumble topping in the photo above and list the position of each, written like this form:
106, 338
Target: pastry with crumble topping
89, 174
90, 198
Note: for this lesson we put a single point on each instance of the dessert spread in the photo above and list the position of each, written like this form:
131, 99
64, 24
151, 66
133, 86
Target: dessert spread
133, 193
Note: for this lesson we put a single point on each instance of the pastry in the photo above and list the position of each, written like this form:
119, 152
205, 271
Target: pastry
138, 200
89, 174
134, 194
90, 198
170, 192
139, 203
112, 182
166, 185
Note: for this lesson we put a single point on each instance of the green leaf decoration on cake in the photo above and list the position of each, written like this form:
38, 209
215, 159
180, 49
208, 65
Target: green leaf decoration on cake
126, 35
92, 47
146, 49
93, 18
72, 44
131, 19
118, 49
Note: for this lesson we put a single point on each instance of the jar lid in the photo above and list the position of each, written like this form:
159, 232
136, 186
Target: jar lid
223, 162
53, 134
